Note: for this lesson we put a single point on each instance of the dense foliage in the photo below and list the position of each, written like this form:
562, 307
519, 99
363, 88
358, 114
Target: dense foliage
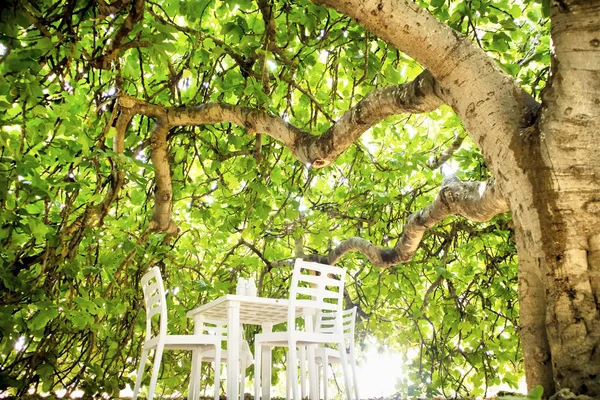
72, 250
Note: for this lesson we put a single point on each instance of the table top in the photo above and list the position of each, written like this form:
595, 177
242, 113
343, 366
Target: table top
253, 310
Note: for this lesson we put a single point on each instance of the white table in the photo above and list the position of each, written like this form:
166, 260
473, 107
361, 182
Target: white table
250, 310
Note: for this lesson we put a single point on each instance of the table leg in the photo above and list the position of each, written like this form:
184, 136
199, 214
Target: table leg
233, 349
193, 377
266, 365
194, 386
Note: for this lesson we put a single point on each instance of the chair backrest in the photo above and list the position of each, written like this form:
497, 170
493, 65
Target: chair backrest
326, 323
215, 327
316, 286
154, 301
219, 328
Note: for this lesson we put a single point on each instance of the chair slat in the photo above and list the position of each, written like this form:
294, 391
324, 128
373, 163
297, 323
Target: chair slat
324, 285
322, 281
317, 294
319, 305
323, 268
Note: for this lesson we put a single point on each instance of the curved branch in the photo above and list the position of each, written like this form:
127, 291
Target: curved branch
163, 195
440, 159
418, 96
478, 201
492, 106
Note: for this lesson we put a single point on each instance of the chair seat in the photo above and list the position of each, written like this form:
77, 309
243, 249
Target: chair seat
244, 352
282, 338
185, 342
332, 355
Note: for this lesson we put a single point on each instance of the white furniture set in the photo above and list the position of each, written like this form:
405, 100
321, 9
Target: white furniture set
316, 299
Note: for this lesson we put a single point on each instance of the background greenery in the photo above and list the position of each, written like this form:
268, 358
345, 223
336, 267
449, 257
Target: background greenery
71, 257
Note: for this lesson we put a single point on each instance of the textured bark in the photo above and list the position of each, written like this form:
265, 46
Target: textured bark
163, 195
532, 315
478, 201
594, 265
567, 195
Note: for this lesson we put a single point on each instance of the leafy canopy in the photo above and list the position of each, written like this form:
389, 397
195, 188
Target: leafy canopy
72, 252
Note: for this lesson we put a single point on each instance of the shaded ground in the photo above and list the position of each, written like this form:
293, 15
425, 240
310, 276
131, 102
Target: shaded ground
504, 396
564, 394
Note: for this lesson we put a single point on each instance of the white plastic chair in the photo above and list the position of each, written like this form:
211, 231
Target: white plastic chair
219, 328
326, 321
314, 287
155, 303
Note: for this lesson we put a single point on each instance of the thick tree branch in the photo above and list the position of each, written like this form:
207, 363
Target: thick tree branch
492, 106
478, 201
163, 195
418, 96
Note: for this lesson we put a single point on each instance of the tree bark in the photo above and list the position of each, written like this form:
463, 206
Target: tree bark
420, 95
566, 179
497, 114
477, 201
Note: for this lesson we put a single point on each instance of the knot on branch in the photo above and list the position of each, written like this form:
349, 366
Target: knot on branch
249, 126
127, 101
319, 163
171, 229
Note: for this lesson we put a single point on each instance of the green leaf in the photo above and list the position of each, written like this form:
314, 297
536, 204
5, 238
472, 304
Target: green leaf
41, 318
536, 393
37, 228
233, 30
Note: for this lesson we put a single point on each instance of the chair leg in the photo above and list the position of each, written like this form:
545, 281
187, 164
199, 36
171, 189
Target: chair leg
292, 366
302, 360
325, 376
155, 368
243, 367
288, 379
312, 378
257, 368
354, 375
194, 386
344, 364
217, 371
318, 367
140, 373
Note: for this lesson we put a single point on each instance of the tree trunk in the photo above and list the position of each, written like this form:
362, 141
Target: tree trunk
559, 238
